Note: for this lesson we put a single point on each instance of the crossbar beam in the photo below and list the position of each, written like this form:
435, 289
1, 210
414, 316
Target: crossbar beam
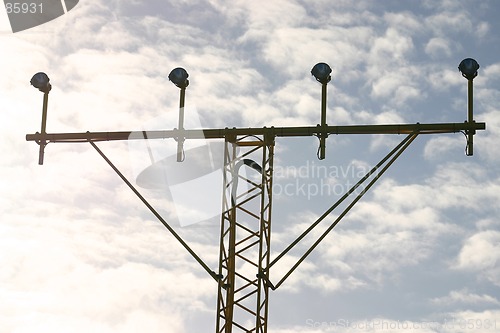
276, 131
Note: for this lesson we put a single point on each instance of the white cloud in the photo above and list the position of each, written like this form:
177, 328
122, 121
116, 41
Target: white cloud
456, 185
443, 22
404, 21
391, 78
489, 74
444, 79
392, 46
264, 16
438, 146
465, 297
481, 253
482, 29
438, 47
489, 138
480, 321
397, 86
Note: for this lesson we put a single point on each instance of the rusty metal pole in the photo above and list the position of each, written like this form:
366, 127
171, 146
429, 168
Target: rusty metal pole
470, 120
324, 133
180, 139
43, 131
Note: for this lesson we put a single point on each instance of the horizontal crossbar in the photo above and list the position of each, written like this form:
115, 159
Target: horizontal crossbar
272, 131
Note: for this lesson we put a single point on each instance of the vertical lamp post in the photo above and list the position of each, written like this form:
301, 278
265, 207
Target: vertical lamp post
41, 81
179, 77
321, 72
469, 68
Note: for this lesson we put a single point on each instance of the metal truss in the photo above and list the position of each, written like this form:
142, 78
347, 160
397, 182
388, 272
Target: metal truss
245, 240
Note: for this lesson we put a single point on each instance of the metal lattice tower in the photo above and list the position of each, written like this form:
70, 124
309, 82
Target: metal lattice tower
242, 299
243, 273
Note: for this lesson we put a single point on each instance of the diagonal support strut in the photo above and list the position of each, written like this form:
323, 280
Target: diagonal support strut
389, 159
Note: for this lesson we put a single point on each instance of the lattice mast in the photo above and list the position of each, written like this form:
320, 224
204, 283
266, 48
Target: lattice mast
242, 299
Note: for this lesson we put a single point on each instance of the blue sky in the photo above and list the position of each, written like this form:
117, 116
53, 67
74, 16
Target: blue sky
80, 253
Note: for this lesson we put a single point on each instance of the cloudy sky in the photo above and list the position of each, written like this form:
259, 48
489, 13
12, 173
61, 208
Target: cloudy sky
419, 253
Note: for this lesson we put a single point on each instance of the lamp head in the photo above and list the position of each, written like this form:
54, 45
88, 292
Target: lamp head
321, 72
469, 68
41, 81
179, 77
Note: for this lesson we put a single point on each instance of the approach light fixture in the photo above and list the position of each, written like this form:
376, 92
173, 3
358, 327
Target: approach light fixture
469, 68
321, 72
179, 76
238, 287
41, 81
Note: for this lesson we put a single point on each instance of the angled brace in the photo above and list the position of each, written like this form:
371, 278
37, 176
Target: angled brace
212, 273
395, 153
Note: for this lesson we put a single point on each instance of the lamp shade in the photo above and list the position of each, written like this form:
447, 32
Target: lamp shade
41, 81
321, 72
179, 77
469, 68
